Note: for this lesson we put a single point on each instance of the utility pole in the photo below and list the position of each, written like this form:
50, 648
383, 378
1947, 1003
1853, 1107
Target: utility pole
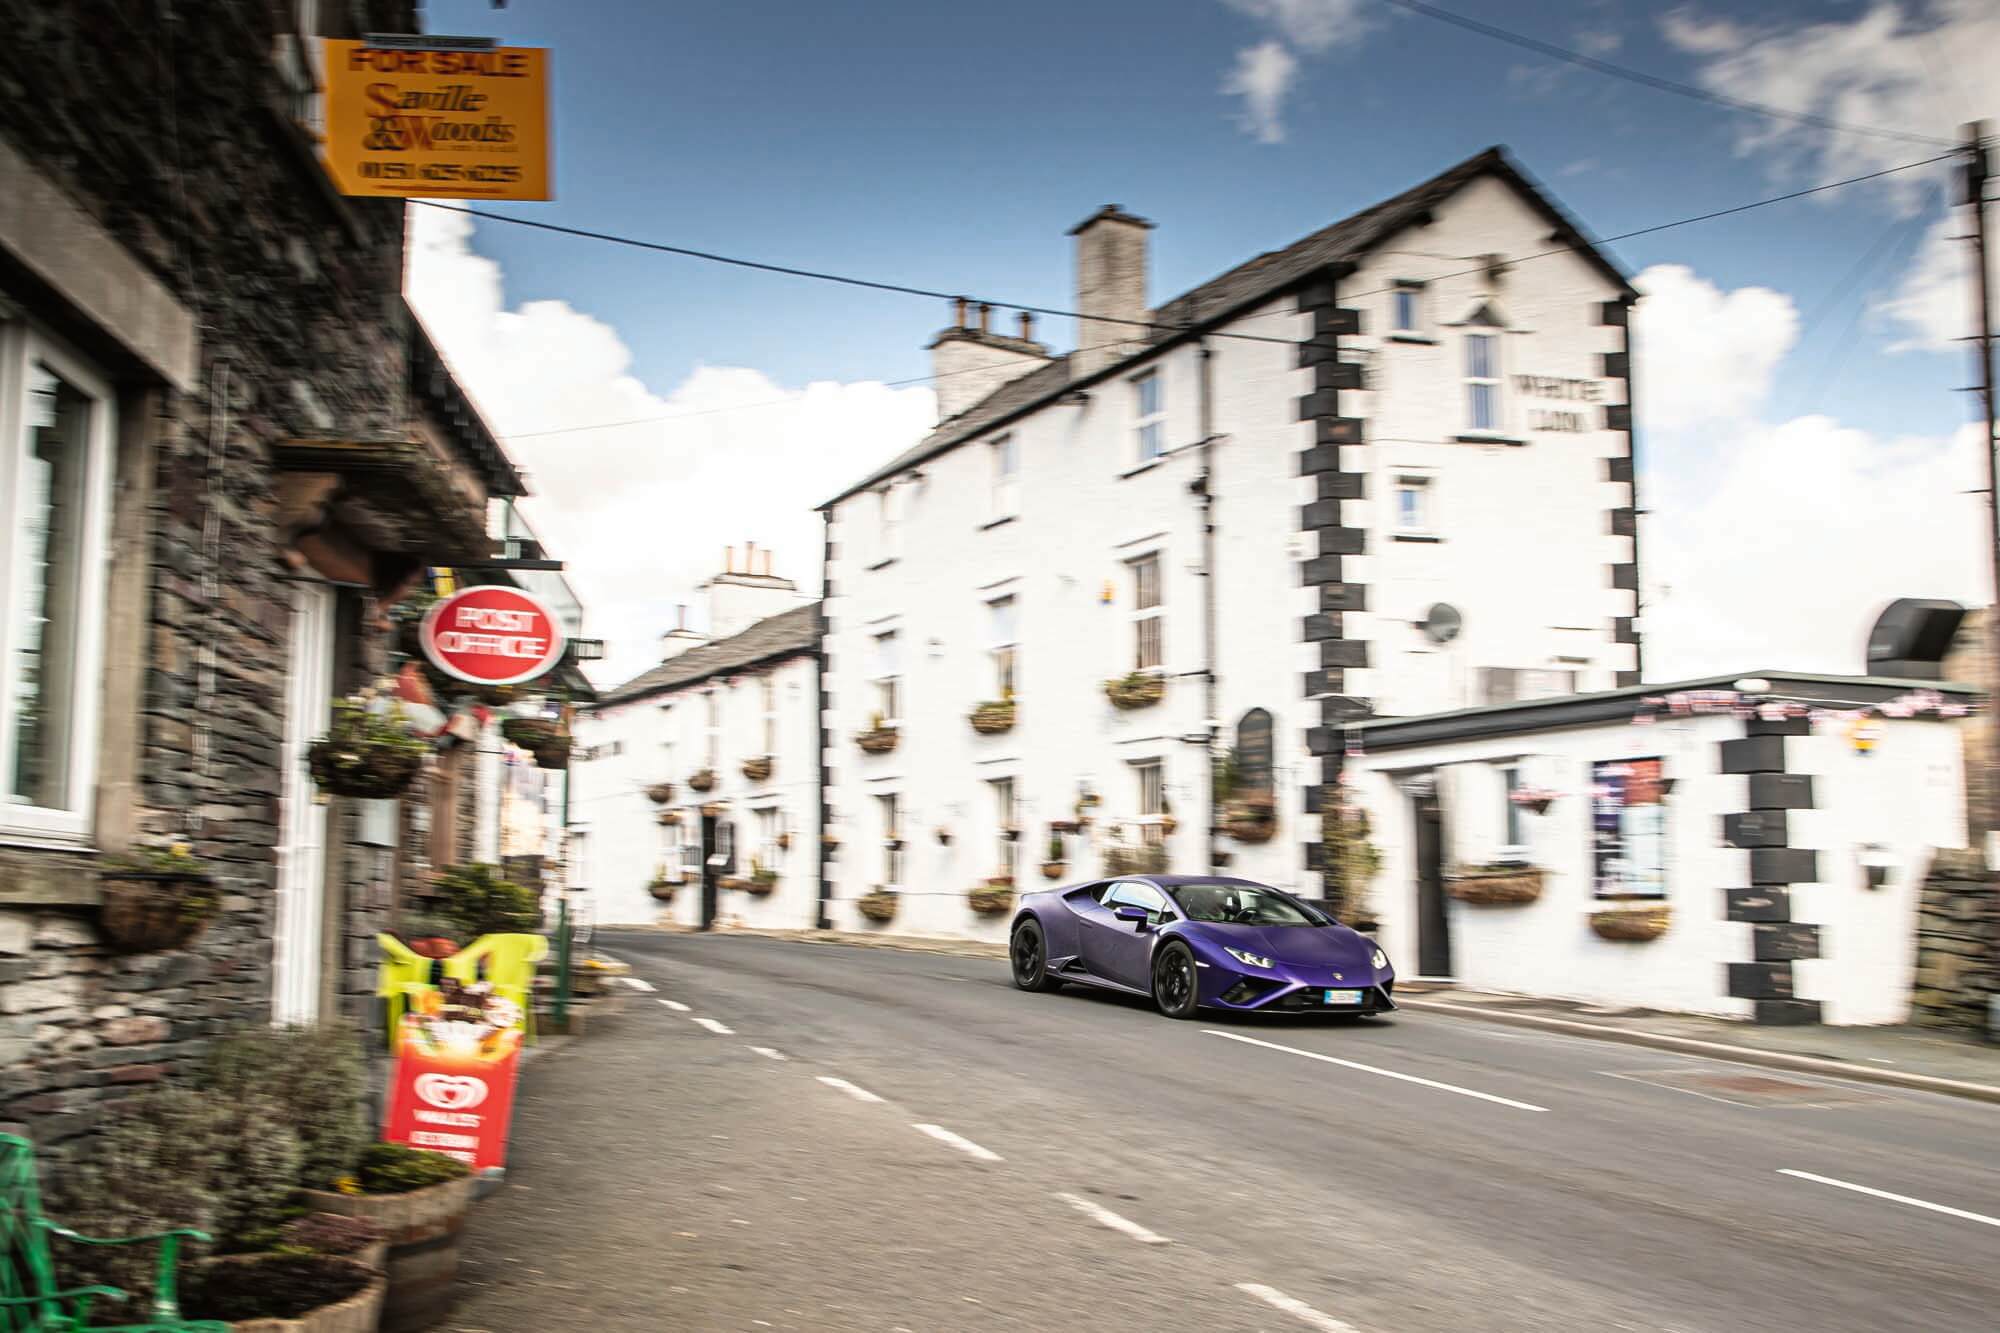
1982, 341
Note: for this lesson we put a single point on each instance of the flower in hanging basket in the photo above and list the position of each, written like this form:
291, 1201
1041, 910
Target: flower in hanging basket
1632, 924
877, 905
660, 793
1252, 818
1139, 860
531, 733
759, 769
1140, 689
702, 781
993, 717
155, 899
663, 886
668, 817
763, 880
878, 739
993, 898
1535, 800
1499, 885
1053, 870
364, 753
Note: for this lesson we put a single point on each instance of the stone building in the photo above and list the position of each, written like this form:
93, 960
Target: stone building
226, 450
1385, 470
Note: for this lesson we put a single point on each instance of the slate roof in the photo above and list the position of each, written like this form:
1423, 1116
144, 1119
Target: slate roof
787, 634
1251, 283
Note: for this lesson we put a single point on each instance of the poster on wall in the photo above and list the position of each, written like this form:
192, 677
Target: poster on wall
1628, 829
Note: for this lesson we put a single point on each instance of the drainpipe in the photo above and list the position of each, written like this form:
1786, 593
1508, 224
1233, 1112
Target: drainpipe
1204, 488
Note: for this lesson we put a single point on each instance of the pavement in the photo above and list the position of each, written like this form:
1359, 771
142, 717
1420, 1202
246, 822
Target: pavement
833, 1138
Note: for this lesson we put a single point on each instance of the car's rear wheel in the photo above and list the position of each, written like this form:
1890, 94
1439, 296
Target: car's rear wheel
1030, 956
1174, 988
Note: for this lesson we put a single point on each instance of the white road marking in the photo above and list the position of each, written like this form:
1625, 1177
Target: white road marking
675, 1005
1298, 1309
964, 1145
636, 984
1105, 1217
768, 1053
1894, 1198
715, 1027
1371, 1069
858, 1094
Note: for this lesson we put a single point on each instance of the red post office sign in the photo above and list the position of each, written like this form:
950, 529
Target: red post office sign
492, 635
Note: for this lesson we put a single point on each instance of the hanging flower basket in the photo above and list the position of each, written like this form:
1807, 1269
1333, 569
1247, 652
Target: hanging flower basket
365, 754
877, 906
1065, 826
1169, 824
993, 717
877, 740
1053, 870
155, 901
532, 733
993, 898
1135, 861
1535, 800
668, 817
1496, 885
702, 781
762, 883
554, 756
1141, 689
712, 810
759, 769
1632, 923
660, 793
1251, 818
663, 888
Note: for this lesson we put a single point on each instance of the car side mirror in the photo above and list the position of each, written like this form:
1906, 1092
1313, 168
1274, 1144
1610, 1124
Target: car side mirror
1130, 912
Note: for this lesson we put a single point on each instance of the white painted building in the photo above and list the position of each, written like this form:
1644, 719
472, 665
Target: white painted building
1257, 497
1789, 859
732, 711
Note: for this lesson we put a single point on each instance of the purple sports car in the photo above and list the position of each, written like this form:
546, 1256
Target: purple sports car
1199, 942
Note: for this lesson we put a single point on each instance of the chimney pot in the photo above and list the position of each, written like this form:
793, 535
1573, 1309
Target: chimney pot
958, 312
729, 559
1027, 326
985, 317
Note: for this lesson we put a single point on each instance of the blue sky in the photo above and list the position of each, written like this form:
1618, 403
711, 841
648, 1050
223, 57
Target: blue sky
951, 146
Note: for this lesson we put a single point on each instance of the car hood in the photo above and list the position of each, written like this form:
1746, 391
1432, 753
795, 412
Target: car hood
1301, 946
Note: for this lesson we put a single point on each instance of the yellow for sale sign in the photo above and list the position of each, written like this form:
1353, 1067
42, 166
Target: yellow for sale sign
456, 123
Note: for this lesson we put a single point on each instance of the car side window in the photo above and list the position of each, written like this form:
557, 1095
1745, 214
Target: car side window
1137, 895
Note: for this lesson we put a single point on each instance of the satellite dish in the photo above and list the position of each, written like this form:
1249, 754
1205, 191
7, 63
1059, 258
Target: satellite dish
1442, 623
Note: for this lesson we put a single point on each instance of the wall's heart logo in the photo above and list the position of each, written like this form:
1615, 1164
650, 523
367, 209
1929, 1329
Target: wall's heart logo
451, 1092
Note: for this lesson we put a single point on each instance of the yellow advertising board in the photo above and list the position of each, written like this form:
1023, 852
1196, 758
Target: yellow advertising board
469, 123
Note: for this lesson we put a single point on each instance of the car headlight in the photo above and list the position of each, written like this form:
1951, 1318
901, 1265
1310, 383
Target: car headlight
1380, 961
1255, 960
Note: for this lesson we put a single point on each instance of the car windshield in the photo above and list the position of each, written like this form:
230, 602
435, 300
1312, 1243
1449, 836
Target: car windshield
1242, 905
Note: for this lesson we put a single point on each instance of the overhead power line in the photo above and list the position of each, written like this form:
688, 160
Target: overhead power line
1655, 81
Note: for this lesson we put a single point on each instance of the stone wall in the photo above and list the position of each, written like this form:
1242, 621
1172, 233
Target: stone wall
1970, 662
1958, 943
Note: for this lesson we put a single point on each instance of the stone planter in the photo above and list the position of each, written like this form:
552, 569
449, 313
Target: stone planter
1496, 886
1138, 690
1054, 869
994, 717
360, 1313
424, 1230
702, 781
759, 769
877, 906
1632, 924
153, 911
992, 899
877, 740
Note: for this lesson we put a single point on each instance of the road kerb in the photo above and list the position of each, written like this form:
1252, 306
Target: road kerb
1720, 1050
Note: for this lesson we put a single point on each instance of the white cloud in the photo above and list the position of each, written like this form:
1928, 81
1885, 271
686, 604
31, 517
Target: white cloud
1598, 41
1262, 76
1579, 167
1312, 25
1934, 300
1706, 355
642, 512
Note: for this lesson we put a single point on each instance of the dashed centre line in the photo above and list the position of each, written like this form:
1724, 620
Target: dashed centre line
857, 1093
1104, 1217
717, 1028
770, 1054
1371, 1069
1298, 1309
963, 1144
636, 984
676, 1006
1893, 1198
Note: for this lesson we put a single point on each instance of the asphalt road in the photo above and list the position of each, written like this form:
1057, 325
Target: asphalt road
1093, 1164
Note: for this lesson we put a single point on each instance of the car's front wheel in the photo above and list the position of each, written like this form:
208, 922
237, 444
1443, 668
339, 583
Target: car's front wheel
1030, 954
1173, 981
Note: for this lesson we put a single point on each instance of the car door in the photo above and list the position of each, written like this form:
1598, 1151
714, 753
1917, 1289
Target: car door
1122, 951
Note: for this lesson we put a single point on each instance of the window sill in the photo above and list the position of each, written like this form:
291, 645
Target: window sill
882, 564
48, 875
1487, 439
992, 523
1419, 339
1146, 466
1420, 537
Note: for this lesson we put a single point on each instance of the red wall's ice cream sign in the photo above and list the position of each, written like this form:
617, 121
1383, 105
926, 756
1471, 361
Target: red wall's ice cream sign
492, 635
458, 1052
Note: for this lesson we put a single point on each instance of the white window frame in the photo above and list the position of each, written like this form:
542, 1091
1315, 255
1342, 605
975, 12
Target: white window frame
1006, 814
1495, 379
888, 806
712, 726
1149, 429
1155, 612
1003, 627
888, 678
770, 823
1006, 453
889, 523
1425, 485
1407, 320
1513, 827
1152, 801
768, 684
300, 58
21, 347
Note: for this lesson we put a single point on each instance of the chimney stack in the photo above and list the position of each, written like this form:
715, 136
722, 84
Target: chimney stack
1027, 327
1110, 288
680, 638
959, 303
985, 317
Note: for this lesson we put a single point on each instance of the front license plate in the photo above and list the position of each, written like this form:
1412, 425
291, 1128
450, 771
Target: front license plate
1343, 997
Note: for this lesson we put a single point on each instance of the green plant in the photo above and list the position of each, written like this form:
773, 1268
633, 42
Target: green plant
316, 1077
1055, 846
481, 903
1352, 860
330, 1233
391, 1168
761, 873
270, 1290
365, 753
175, 859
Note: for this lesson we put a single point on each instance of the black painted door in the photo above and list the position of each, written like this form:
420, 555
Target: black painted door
1433, 922
709, 872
